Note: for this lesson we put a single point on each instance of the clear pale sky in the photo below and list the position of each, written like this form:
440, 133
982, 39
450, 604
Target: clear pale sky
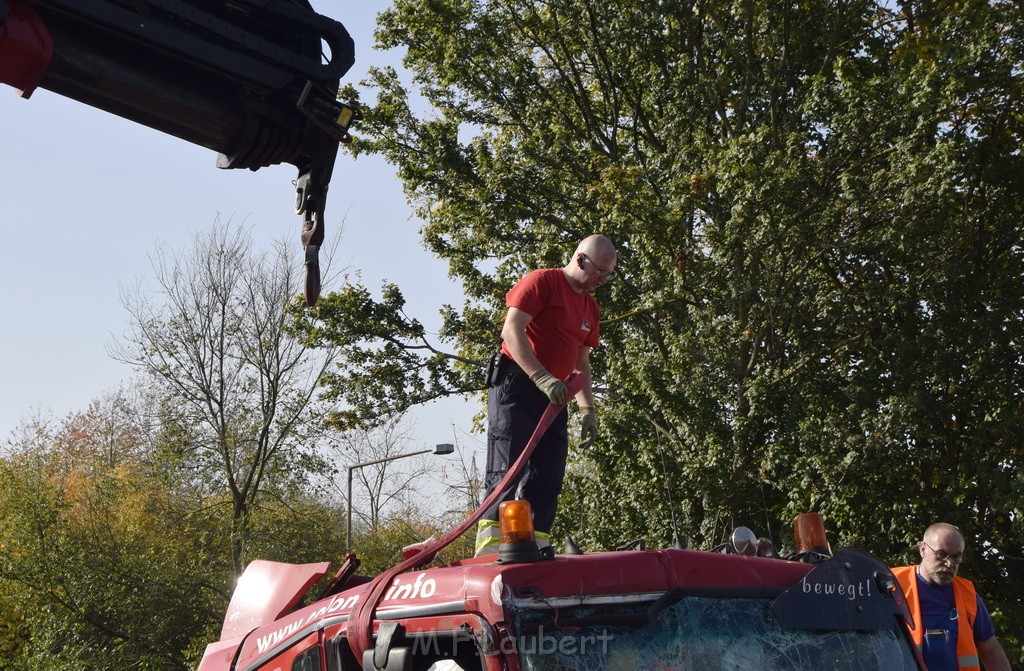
86, 196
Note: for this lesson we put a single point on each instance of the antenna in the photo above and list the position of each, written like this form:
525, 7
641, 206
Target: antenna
767, 519
668, 491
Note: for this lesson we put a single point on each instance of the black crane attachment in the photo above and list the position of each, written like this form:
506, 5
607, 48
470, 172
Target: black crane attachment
254, 80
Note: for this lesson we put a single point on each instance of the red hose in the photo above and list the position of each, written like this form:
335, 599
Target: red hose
360, 628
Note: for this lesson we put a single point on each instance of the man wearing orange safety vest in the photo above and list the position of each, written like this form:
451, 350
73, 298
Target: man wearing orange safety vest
952, 626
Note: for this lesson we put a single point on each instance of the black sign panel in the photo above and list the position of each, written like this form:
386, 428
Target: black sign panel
851, 591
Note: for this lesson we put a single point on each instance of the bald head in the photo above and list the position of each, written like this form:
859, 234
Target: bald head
941, 531
592, 264
596, 246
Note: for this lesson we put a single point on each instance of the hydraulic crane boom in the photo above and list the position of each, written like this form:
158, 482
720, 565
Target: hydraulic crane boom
254, 80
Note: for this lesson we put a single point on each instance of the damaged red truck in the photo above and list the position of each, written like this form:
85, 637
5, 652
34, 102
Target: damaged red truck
632, 609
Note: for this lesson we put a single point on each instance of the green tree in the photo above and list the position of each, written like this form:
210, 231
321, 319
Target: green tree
239, 390
111, 558
106, 570
819, 295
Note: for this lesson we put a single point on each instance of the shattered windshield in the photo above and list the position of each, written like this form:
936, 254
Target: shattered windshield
701, 633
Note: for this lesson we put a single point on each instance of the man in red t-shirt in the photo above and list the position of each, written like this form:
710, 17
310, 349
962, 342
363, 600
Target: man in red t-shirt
550, 328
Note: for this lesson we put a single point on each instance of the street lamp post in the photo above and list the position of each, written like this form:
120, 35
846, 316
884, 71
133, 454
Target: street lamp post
441, 448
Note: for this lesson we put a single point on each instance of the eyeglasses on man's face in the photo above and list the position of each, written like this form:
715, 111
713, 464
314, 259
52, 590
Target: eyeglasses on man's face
607, 274
942, 555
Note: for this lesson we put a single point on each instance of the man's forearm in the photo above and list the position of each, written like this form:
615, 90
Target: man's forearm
993, 657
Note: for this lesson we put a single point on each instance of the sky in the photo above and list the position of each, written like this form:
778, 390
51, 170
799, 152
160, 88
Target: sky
86, 197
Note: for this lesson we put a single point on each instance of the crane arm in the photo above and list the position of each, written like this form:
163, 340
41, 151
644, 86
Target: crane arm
254, 80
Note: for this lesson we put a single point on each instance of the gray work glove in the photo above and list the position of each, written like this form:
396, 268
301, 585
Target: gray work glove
588, 422
553, 388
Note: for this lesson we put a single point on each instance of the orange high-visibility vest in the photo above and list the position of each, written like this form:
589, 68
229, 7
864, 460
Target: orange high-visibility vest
966, 600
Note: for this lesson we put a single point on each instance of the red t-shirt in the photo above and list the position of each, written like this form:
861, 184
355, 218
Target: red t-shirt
562, 321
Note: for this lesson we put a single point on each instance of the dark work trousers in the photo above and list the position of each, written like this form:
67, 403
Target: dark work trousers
513, 409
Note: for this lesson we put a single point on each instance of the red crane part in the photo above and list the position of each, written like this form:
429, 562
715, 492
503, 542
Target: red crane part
25, 48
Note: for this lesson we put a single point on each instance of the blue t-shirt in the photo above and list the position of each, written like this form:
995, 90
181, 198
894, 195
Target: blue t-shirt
941, 625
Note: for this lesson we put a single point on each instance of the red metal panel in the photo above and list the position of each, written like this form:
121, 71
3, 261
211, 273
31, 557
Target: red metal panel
219, 655
266, 591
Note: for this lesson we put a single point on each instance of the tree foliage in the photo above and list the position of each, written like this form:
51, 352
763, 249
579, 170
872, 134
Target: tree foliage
123, 527
239, 389
386, 361
110, 559
820, 291
381, 548
107, 570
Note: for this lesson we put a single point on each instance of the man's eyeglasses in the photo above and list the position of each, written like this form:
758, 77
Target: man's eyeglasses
607, 274
942, 555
